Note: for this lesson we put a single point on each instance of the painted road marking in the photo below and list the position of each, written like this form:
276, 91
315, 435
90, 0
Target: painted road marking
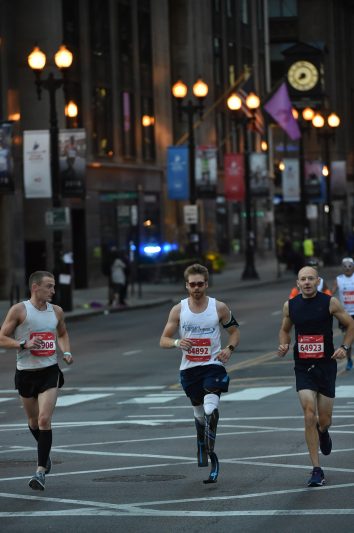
345, 391
152, 398
253, 393
132, 352
6, 399
73, 399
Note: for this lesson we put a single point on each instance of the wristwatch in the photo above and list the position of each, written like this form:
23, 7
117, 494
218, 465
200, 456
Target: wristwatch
22, 345
345, 347
230, 347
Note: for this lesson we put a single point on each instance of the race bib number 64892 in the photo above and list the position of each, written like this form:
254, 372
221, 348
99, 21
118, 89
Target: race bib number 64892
200, 351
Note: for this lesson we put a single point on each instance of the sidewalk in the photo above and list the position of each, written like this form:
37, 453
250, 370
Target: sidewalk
93, 301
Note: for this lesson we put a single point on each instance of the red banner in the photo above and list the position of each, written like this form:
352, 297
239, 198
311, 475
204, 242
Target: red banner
234, 165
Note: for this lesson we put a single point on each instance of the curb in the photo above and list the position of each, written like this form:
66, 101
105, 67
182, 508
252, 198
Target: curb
79, 314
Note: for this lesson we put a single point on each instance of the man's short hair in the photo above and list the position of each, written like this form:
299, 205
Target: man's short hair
196, 269
36, 277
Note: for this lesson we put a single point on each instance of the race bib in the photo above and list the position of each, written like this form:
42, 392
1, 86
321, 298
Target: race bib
310, 346
348, 297
200, 351
47, 344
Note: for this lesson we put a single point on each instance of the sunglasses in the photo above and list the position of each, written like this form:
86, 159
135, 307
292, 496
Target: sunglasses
194, 284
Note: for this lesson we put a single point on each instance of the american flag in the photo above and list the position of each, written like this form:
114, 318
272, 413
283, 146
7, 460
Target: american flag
243, 91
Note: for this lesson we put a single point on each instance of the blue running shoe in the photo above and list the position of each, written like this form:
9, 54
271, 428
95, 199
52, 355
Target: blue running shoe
325, 441
349, 364
317, 478
37, 482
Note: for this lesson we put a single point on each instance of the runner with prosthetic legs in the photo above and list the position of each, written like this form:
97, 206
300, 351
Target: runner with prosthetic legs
202, 370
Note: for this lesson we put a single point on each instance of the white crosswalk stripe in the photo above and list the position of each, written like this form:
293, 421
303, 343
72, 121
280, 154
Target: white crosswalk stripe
72, 399
253, 393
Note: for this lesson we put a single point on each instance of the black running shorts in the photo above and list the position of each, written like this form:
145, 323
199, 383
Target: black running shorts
319, 377
199, 379
30, 383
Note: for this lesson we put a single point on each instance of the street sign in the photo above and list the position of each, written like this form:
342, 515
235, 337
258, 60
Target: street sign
190, 213
57, 217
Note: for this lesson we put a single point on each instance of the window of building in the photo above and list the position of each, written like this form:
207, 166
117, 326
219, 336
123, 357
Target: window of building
128, 122
102, 109
245, 16
146, 79
71, 38
282, 8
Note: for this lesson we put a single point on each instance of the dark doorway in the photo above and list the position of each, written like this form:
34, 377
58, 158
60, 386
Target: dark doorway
35, 257
79, 248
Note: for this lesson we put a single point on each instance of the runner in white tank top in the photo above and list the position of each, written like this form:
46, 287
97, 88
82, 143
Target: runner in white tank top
35, 328
202, 369
344, 283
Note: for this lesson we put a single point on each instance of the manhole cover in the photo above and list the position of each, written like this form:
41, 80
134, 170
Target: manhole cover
138, 478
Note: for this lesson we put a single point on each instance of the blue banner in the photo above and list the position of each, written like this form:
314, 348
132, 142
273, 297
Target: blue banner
177, 173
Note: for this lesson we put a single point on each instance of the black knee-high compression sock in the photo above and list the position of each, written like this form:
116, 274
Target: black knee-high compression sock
35, 432
44, 446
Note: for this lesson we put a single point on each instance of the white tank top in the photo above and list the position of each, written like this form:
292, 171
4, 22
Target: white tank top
205, 330
41, 324
346, 292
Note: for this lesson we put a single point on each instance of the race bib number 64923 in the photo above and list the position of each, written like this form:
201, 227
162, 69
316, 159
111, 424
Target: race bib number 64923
310, 346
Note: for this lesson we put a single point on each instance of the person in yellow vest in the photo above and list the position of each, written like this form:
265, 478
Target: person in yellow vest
308, 248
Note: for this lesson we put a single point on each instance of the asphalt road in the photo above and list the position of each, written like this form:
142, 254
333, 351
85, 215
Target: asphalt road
124, 440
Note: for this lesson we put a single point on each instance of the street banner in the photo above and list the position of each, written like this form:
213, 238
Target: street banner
234, 185
259, 180
36, 164
177, 173
72, 161
315, 184
206, 171
6, 158
291, 180
279, 108
338, 178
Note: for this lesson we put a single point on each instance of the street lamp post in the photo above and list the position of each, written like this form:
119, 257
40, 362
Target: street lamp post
234, 103
200, 91
326, 130
63, 60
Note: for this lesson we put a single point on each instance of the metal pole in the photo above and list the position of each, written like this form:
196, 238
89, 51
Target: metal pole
52, 85
330, 258
249, 271
193, 235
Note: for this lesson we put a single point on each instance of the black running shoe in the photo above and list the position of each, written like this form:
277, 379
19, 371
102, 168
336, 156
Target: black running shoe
37, 482
325, 441
317, 478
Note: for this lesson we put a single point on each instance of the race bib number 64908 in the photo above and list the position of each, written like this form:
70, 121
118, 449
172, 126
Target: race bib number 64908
47, 343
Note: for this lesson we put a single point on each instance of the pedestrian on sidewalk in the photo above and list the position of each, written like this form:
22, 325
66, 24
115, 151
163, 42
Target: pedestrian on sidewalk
202, 371
311, 312
344, 284
118, 280
34, 328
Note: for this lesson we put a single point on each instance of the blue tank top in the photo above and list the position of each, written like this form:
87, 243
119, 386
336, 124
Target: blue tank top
313, 328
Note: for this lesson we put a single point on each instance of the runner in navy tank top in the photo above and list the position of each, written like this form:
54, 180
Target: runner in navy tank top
311, 313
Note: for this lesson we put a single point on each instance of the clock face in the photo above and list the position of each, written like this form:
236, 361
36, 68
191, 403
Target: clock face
303, 75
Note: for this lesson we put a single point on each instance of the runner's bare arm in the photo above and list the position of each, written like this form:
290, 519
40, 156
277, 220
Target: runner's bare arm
167, 340
63, 336
13, 318
337, 310
225, 317
284, 333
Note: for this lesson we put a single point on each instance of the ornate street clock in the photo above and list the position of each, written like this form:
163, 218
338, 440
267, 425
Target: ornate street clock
303, 75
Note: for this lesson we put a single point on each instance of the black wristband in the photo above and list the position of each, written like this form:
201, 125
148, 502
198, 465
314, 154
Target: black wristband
345, 347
